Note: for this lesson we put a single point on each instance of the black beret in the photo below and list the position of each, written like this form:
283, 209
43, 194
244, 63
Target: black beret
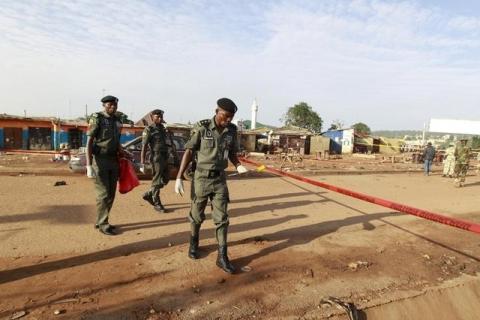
157, 111
227, 105
109, 99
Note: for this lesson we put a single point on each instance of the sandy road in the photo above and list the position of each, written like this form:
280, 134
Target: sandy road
297, 239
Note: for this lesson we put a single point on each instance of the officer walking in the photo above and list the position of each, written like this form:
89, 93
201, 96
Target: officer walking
462, 155
103, 146
214, 142
155, 136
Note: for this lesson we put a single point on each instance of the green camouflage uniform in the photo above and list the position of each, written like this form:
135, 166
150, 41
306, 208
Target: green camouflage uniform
212, 147
105, 131
478, 164
449, 162
462, 155
155, 136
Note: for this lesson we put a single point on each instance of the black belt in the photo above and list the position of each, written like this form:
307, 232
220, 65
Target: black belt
212, 173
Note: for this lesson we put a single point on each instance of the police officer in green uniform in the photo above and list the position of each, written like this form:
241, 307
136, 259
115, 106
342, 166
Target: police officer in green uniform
155, 136
213, 142
103, 146
462, 156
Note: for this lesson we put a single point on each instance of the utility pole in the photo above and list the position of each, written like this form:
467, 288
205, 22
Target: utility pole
423, 136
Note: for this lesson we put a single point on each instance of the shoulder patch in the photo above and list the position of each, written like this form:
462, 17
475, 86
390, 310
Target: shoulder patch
205, 122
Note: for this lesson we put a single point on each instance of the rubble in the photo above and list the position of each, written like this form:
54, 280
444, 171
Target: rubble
356, 265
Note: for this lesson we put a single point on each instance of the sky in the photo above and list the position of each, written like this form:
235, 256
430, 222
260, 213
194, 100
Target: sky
390, 64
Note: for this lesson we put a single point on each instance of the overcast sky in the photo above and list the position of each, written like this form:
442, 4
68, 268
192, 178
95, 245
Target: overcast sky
390, 64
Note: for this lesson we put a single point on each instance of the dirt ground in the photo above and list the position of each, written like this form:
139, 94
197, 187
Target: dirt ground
292, 243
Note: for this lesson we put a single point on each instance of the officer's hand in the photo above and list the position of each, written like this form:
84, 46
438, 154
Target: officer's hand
179, 186
142, 168
127, 154
90, 172
241, 169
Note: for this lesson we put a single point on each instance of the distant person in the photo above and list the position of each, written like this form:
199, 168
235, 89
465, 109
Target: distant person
462, 155
428, 156
214, 142
478, 164
103, 146
449, 162
157, 139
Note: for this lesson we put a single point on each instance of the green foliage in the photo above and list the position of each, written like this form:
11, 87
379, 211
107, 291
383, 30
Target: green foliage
476, 142
302, 115
361, 128
399, 134
336, 125
333, 126
248, 125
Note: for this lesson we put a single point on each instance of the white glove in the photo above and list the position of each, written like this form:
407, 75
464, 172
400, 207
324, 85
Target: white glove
142, 168
179, 186
90, 172
241, 169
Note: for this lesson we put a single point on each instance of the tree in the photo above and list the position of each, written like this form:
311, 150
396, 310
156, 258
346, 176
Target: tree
361, 128
475, 142
302, 115
336, 124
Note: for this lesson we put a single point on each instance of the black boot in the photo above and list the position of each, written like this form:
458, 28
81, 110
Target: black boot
222, 260
159, 207
147, 196
193, 250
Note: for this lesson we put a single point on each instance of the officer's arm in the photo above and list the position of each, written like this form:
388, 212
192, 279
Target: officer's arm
193, 144
186, 159
89, 150
143, 153
234, 159
145, 138
121, 151
232, 155
92, 132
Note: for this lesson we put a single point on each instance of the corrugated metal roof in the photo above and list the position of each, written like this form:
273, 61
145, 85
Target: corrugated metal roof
13, 117
292, 130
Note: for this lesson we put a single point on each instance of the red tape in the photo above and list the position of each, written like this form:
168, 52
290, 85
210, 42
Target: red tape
458, 223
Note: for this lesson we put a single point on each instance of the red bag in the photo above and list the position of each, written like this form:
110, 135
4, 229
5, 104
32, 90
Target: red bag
127, 177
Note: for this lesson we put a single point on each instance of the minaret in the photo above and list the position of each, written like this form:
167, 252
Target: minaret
254, 114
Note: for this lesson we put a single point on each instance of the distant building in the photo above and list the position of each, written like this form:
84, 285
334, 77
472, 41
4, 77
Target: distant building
48, 133
342, 140
294, 138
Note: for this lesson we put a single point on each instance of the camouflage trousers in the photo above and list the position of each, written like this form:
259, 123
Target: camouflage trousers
106, 170
210, 185
460, 173
160, 178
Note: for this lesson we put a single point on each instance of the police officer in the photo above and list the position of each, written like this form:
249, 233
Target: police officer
155, 136
103, 145
462, 156
214, 142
